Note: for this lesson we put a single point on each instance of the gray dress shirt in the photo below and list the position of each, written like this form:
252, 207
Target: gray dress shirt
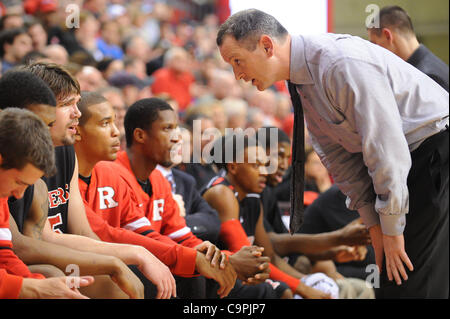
366, 110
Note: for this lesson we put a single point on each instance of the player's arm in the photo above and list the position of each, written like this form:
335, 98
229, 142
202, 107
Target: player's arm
353, 234
222, 199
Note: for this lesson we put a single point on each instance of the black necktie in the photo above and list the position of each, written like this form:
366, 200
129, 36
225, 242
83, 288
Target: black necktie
298, 162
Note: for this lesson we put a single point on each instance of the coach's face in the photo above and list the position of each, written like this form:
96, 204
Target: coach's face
254, 66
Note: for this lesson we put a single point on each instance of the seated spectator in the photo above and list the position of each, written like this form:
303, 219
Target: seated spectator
131, 86
86, 35
14, 45
236, 111
137, 48
283, 109
109, 41
11, 21
255, 118
267, 102
212, 108
38, 35
136, 67
175, 77
57, 54
90, 79
109, 66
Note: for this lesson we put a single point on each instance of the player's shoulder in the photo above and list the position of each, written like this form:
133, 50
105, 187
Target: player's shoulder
159, 183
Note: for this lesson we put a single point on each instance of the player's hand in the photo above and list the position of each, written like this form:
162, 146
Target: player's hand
159, 274
354, 234
54, 288
250, 265
127, 280
226, 278
394, 250
213, 254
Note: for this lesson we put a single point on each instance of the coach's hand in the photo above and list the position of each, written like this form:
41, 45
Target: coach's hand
394, 250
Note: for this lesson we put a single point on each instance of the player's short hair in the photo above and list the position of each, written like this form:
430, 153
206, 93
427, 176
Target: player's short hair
88, 99
58, 78
394, 17
142, 114
228, 148
268, 134
22, 89
25, 139
247, 26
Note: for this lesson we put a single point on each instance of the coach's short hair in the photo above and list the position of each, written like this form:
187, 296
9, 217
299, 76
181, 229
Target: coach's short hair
25, 139
247, 26
142, 114
394, 17
22, 89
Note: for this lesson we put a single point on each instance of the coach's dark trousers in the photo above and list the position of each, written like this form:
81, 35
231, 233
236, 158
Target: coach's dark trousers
426, 232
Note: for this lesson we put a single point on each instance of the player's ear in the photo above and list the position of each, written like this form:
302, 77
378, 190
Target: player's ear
231, 168
139, 135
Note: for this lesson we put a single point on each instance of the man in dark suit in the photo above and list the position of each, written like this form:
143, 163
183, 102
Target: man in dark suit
396, 34
200, 217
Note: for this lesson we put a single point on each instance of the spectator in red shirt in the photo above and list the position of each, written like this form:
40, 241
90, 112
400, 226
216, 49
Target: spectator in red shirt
175, 77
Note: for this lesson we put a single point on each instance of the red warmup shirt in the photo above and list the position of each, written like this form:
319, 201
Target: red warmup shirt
115, 217
160, 209
9, 262
178, 86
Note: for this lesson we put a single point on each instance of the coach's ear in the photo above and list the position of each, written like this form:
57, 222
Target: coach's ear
139, 135
267, 44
